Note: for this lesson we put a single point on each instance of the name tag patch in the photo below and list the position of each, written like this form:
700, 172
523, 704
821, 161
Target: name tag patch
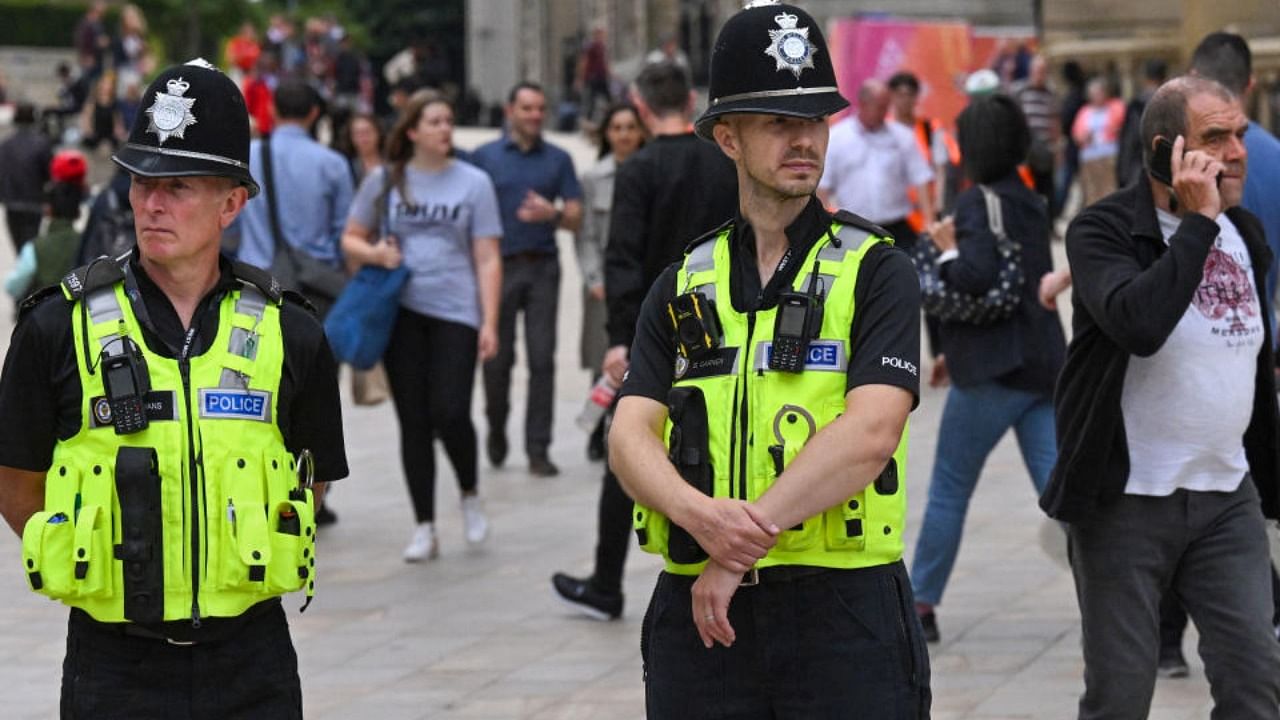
159, 405
235, 404
721, 361
823, 355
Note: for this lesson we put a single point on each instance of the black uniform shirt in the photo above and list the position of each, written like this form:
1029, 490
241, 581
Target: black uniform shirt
40, 387
884, 346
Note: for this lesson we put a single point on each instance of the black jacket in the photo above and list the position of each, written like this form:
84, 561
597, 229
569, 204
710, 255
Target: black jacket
1025, 351
674, 189
1130, 293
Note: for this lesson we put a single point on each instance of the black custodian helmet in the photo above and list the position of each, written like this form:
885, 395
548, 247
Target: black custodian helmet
771, 58
194, 122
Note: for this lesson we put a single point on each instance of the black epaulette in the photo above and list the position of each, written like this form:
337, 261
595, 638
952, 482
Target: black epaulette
99, 273
708, 235
298, 298
845, 217
30, 302
259, 278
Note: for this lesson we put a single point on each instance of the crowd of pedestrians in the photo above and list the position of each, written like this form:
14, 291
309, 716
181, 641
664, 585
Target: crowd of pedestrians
1172, 307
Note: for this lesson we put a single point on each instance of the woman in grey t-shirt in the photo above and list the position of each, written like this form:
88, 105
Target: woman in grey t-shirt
439, 217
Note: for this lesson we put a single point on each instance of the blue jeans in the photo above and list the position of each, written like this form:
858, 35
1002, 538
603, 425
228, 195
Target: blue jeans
973, 421
831, 646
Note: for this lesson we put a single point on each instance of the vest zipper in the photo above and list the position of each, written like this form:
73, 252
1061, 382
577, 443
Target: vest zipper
184, 366
743, 415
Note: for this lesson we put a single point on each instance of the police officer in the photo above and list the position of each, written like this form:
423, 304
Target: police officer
164, 417
762, 428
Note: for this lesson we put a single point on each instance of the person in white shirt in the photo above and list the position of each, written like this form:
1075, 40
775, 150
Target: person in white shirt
871, 164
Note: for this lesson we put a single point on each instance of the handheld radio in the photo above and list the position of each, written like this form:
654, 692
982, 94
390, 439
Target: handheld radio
126, 381
798, 319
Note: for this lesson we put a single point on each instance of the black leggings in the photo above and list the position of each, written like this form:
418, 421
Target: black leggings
431, 366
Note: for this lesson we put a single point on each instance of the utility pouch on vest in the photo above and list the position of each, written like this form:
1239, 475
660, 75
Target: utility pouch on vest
690, 450
141, 546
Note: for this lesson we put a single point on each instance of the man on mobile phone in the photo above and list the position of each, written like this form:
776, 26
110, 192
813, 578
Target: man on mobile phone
1167, 417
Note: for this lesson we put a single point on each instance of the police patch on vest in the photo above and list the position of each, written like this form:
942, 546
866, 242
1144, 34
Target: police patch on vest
235, 404
159, 405
823, 355
721, 361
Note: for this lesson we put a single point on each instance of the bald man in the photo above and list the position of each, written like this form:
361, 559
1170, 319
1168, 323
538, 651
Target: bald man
871, 164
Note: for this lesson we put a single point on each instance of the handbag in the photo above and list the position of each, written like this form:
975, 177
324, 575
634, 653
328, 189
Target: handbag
360, 322
951, 305
296, 270
370, 387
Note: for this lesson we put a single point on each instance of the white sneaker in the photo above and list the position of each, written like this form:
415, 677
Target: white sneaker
423, 545
475, 524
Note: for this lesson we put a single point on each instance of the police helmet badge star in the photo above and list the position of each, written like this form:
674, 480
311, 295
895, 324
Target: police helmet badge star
171, 114
790, 45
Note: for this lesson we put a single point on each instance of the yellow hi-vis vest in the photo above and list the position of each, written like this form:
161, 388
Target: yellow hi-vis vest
235, 525
750, 408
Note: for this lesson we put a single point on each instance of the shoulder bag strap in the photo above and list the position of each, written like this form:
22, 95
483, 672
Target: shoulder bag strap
995, 217
273, 213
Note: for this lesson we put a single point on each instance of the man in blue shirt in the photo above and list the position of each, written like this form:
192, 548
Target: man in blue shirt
312, 187
530, 175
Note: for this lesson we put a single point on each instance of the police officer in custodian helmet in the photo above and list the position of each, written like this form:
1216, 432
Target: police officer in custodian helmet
168, 420
762, 427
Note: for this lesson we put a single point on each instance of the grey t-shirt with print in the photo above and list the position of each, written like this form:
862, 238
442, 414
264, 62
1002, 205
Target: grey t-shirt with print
436, 224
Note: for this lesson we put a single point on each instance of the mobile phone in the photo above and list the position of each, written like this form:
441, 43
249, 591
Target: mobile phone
1162, 161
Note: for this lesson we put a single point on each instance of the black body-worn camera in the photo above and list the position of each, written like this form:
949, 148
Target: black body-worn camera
127, 382
696, 325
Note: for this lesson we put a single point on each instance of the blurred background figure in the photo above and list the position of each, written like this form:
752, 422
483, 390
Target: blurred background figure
439, 217
1002, 374
45, 260
593, 77
621, 134
1129, 151
25, 158
361, 143
1097, 133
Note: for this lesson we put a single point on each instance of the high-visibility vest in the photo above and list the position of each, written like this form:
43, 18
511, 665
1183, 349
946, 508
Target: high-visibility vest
217, 520
750, 408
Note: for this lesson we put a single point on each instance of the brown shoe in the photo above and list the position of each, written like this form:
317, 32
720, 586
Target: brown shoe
540, 466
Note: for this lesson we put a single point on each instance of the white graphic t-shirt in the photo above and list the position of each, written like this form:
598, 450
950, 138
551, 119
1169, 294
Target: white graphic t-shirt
1187, 406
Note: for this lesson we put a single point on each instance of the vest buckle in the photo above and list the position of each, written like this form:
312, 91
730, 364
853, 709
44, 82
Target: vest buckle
751, 578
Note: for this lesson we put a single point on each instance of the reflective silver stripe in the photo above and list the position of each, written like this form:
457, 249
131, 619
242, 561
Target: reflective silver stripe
186, 154
243, 343
776, 93
831, 253
103, 307
824, 356
708, 289
702, 258
233, 379
825, 282
851, 238
251, 302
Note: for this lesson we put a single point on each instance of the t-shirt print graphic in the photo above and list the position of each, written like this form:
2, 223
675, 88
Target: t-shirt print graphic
1226, 296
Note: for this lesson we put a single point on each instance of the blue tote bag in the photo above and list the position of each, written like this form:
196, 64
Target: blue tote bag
359, 324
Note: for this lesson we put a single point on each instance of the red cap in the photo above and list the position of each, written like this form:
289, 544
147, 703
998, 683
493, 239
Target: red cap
69, 166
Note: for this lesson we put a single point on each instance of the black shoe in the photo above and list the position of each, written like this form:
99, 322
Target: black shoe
325, 516
929, 624
581, 596
497, 447
540, 466
1172, 663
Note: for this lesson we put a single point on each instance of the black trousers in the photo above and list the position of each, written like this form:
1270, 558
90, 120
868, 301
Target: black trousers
23, 226
431, 367
110, 675
530, 284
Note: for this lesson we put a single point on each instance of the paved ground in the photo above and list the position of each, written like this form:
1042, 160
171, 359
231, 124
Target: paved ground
478, 634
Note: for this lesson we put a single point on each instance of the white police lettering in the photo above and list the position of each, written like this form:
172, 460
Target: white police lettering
235, 404
900, 364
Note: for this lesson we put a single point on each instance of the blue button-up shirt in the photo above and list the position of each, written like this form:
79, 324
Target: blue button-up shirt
313, 195
545, 169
